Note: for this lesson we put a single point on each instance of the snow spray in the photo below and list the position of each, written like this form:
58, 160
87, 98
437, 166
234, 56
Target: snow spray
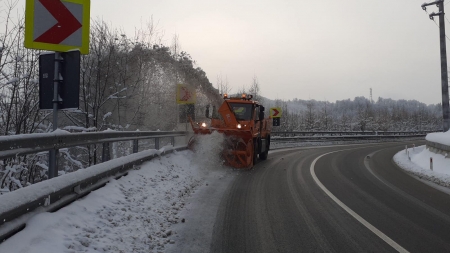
208, 149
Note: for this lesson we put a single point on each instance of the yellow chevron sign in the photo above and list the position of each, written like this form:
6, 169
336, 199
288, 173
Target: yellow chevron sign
275, 112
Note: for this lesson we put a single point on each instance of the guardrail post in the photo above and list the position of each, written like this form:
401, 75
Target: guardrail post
431, 163
106, 156
135, 146
172, 141
157, 143
53, 163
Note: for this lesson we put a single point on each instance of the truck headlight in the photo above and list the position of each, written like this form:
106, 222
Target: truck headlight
239, 126
203, 124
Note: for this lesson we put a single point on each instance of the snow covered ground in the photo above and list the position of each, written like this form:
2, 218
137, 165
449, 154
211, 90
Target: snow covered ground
417, 162
136, 213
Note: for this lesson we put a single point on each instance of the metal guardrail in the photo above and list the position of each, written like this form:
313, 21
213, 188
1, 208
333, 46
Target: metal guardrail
348, 133
345, 137
438, 147
11, 146
73, 185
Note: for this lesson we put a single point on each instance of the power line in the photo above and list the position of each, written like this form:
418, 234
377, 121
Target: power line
445, 3
444, 16
432, 19
437, 23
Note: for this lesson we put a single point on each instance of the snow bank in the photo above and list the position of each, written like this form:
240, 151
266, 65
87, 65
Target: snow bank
57, 132
419, 165
132, 214
442, 138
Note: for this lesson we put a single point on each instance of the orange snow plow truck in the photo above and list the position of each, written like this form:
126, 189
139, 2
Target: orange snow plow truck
246, 130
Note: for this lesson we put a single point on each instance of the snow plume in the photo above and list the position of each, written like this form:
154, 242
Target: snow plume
208, 149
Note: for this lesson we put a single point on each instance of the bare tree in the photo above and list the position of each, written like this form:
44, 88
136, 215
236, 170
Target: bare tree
222, 85
254, 89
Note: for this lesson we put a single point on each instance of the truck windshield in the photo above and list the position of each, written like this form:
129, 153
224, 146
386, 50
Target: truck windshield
242, 111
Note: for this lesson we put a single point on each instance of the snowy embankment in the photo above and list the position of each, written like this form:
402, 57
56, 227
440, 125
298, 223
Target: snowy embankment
135, 213
417, 161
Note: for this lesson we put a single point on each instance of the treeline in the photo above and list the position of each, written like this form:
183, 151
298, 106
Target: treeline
359, 114
127, 83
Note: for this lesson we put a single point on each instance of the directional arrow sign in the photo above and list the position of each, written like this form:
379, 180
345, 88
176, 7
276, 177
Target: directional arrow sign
185, 95
57, 25
275, 112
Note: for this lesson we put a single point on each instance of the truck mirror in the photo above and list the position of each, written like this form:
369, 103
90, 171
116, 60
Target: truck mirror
261, 115
214, 112
207, 111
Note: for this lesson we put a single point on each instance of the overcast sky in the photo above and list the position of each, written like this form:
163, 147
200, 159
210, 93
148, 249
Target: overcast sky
324, 50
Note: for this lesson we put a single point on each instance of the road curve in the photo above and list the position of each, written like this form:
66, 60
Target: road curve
279, 207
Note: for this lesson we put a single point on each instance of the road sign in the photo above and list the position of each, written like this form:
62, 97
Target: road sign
276, 121
186, 111
57, 25
275, 112
69, 87
185, 94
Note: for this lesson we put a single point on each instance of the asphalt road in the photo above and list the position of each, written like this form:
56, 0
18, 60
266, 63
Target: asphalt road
340, 202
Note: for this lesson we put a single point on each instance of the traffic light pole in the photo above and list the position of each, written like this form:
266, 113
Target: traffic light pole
444, 71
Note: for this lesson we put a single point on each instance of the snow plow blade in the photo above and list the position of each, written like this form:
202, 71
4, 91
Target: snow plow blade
237, 149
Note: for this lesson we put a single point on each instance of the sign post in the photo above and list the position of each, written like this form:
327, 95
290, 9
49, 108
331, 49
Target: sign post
52, 168
60, 26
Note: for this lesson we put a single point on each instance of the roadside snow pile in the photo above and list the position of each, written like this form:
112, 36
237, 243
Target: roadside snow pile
442, 138
419, 165
132, 214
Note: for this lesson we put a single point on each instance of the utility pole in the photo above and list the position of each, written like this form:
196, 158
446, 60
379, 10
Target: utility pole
444, 73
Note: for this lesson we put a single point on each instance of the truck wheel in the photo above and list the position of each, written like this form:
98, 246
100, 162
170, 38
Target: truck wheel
255, 152
263, 156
